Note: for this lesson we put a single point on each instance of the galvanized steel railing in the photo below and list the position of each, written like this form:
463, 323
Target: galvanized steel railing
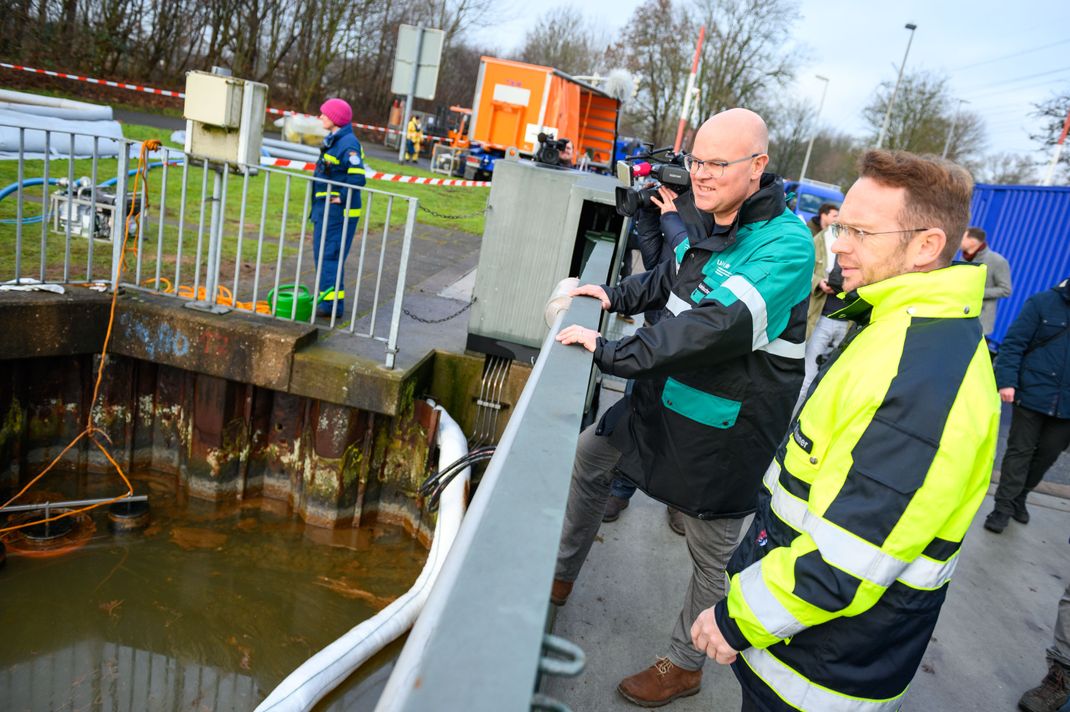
480, 642
226, 239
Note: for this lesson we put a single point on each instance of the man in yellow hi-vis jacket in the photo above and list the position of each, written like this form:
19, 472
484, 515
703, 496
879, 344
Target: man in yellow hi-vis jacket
836, 588
414, 137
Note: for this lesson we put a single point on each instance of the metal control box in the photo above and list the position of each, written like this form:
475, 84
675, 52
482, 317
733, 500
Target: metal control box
539, 227
213, 99
224, 118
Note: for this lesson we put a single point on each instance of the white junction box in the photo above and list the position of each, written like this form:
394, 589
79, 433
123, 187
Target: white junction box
224, 118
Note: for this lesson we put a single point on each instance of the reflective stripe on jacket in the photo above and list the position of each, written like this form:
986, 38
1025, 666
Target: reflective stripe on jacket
342, 161
836, 588
716, 379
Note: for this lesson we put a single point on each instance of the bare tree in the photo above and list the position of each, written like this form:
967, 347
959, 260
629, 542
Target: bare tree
835, 158
790, 127
650, 47
457, 80
1007, 169
1053, 112
305, 51
748, 54
922, 119
563, 39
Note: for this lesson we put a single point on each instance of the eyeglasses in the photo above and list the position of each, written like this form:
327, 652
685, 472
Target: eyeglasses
714, 169
838, 230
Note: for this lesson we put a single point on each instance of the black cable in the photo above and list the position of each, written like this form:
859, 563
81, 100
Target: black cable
428, 484
433, 498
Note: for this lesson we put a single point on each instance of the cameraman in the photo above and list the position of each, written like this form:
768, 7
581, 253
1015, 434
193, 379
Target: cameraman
714, 383
657, 235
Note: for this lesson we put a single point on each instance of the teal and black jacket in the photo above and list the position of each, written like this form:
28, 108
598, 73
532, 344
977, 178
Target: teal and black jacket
716, 380
342, 161
837, 586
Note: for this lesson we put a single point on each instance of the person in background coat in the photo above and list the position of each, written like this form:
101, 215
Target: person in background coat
998, 283
1033, 373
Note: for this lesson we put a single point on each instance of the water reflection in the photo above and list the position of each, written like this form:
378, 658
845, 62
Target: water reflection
207, 609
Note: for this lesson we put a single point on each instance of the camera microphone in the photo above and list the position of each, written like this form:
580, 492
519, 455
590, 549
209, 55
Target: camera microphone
641, 170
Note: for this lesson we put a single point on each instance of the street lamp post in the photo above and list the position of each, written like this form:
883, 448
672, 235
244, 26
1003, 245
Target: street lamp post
888, 114
813, 134
951, 129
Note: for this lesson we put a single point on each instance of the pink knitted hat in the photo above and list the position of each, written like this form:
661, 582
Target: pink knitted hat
338, 111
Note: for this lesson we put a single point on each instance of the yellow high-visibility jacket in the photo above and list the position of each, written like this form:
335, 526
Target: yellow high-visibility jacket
837, 586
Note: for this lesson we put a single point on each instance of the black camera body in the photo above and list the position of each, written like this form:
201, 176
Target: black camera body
550, 148
663, 169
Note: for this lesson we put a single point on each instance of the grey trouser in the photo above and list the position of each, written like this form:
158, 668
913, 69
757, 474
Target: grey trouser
1060, 650
710, 543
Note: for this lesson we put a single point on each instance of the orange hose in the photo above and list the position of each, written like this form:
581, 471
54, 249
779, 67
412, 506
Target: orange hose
223, 296
90, 430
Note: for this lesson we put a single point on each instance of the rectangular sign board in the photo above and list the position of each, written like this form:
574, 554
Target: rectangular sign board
425, 67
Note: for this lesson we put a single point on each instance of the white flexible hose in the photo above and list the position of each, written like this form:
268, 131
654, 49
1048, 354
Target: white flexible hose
325, 670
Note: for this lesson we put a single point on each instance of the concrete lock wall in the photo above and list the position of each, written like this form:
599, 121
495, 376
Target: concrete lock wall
224, 440
235, 406
216, 401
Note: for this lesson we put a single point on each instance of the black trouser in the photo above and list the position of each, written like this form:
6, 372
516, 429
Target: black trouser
1033, 446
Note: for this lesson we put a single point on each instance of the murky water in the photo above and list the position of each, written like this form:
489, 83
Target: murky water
207, 609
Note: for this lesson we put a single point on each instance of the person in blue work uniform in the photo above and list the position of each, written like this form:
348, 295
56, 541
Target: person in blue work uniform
335, 210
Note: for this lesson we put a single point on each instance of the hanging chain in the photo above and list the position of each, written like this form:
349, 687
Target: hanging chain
475, 214
422, 320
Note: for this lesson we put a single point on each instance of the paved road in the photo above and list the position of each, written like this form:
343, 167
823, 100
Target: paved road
987, 648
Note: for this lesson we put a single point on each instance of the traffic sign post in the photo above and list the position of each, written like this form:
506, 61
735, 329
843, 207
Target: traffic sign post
416, 64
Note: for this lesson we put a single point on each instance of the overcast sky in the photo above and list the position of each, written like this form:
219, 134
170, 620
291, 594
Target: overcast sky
1001, 57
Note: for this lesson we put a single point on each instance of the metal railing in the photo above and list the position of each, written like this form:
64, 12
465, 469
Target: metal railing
237, 239
479, 644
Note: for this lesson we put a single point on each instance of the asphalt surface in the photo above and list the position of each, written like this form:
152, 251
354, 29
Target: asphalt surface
987, 649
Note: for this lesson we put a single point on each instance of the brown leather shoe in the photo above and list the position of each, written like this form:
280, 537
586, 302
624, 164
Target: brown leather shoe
614, 506
660, 684
676, 520
559, 592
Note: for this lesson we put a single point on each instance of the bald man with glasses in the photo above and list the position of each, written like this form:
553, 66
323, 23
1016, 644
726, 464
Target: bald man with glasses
715, 380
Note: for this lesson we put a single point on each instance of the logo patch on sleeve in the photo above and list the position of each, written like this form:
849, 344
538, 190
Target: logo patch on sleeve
800, 438
704, 288
354, 158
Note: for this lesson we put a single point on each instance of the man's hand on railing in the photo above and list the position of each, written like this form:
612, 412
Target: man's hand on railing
575, 334
592, 290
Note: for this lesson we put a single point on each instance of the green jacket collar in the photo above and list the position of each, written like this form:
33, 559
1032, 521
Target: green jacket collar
766, 204
953, 292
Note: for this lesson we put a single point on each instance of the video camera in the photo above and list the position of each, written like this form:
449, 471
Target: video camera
550, 149
663, 167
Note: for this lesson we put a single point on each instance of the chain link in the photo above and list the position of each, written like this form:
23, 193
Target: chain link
453, 217
422, 320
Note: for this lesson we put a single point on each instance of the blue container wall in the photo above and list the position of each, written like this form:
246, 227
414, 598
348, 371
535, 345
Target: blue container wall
1030, 226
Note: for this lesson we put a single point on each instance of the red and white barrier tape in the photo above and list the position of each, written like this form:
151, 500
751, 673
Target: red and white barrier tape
92, 80
168, 92
391, 177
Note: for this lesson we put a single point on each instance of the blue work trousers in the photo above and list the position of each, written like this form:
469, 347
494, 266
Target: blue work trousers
332, 281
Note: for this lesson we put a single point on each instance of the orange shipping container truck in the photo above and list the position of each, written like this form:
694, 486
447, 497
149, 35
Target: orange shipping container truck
515, 102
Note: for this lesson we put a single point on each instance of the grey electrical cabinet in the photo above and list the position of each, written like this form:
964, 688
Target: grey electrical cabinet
539, 228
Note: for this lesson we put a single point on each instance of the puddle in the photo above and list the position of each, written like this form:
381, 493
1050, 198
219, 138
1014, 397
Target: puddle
209, 608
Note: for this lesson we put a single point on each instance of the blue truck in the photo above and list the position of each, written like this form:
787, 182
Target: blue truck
809, 196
